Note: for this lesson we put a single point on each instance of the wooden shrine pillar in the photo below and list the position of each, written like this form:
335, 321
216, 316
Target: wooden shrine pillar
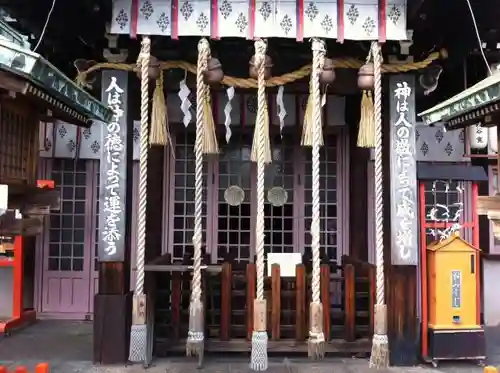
401, 276
112, 304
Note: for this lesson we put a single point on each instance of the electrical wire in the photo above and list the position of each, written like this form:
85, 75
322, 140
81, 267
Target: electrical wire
478, 37
45, 26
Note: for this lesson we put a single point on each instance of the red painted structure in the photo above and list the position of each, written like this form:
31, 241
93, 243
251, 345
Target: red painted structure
470, 223
20, 316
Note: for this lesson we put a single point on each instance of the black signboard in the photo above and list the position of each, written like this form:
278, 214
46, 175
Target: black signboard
113, 169
404, 208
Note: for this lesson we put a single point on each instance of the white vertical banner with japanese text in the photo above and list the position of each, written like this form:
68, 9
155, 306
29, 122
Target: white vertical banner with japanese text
403, 176
113, 169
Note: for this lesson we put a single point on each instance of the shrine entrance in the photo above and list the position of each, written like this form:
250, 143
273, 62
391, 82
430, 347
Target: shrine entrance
230, 199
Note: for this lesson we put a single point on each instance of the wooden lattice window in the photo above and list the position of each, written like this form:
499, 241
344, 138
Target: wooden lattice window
18, 143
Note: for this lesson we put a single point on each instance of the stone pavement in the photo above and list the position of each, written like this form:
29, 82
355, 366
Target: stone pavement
67, 346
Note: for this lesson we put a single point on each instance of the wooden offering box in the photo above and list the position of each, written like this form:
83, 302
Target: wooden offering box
455, 331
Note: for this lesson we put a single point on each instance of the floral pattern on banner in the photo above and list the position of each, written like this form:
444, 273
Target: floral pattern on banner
66, 140
154, 17
233, 19
273, 18
194, 17
434, 144
276, 18
320, 19
121, 17
396, 20
361, 20
90, 142
66, 143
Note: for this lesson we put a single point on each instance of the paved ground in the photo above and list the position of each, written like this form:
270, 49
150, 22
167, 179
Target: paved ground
67, 346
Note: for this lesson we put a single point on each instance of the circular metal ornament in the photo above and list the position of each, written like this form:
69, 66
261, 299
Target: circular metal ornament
234, 195
277, 196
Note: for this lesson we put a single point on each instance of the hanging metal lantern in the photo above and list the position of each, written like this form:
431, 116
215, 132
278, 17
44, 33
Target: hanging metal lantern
214, 73
366, 79
327, 75
478, 137
153, 70
493, 139
268, 64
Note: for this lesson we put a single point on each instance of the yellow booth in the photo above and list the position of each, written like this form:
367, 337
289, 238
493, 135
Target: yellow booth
454, 329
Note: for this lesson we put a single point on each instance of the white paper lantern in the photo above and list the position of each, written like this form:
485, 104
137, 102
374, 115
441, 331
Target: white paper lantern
492, 139
478, 137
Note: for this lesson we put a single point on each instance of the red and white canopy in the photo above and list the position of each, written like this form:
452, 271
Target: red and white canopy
297, 19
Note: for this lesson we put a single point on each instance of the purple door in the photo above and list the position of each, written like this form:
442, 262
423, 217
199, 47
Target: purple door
67, 251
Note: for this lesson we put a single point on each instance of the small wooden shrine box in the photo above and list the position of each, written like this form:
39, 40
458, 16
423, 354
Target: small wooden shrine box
454, 326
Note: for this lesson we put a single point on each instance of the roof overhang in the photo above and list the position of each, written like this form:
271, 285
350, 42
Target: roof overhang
475, 104
28, 73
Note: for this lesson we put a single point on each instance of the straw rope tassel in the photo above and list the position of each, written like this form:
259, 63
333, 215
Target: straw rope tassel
316, 341
380, 346
195, 340
159, 134
366, 131
138, 335
258, 358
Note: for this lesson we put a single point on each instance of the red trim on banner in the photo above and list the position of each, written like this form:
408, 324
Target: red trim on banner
134, 15
215, 19
174, 34
340, 21
300, 23
251, 17
382, 21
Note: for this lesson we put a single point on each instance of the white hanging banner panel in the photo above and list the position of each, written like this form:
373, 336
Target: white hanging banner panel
295, 19
435, 144
64, 140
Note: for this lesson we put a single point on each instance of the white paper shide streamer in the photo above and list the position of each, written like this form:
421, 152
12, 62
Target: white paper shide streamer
227, 113
183, 94
281, 108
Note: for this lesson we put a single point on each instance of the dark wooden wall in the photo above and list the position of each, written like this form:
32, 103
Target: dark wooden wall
358, 193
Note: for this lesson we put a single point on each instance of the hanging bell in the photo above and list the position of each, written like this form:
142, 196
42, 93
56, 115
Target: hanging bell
153, 70
268, 64
213, 74
327, 75
366, 80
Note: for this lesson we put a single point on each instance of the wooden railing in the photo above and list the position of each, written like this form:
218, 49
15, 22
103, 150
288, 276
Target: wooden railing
347, 294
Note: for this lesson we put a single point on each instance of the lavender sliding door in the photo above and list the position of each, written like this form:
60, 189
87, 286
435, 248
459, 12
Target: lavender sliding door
65, 263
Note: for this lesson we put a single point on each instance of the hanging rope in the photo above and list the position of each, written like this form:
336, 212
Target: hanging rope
143, 165
195, 340
258, 358
275, 81
316, 343
138, 334
210, 145
380, 346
